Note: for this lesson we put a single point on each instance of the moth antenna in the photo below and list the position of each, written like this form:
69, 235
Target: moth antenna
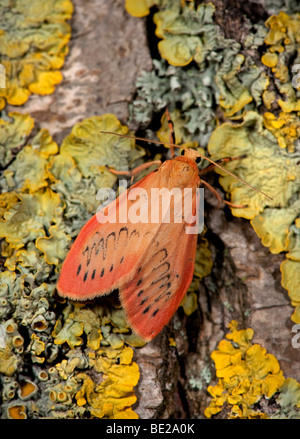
172, 145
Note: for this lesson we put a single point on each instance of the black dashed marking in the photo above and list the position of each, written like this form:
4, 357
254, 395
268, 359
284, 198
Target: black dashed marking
155, 312
102, 273
165, 278
112, 267
93, 274
161, 265
122, 259
140, 293
134, 233
123, 229
96, 248
139, 269
146, 310
144, 301
163, 250
161, 296
168, 297
78, 269
85, 276
167, 286
111, 234
139, 282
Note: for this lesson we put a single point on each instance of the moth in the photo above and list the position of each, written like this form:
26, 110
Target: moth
150, 263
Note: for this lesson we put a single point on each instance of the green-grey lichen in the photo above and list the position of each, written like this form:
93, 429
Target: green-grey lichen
223, 76
176, 87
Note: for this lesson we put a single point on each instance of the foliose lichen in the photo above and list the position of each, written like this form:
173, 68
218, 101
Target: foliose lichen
247, 376
33, 46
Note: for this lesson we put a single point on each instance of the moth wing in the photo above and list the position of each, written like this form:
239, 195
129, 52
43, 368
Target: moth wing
163, 276
105, 256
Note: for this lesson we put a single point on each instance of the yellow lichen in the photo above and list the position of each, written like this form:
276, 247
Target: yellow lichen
89, 148
234, 95
172, 342
33, 46
269, 59
13, 134
96, 323
17, 411
8, 361
282, 40
37, 347
25, 220
54, 247
29, 170
286, 128
28, 388
255, 146
180, 33
272, 226
69, 333
114, 396
291, 281
139, 8
246, 374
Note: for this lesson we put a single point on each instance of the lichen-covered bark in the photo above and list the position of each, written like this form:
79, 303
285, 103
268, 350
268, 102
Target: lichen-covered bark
245, 285
108, 50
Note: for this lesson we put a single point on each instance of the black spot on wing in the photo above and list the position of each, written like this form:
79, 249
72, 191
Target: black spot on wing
78, 269
85, 276
144, 301
155, 312
167, 296
93, 274
102, 272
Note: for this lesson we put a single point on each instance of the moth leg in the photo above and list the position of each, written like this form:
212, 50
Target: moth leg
220, 199
172, 139
135, 171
